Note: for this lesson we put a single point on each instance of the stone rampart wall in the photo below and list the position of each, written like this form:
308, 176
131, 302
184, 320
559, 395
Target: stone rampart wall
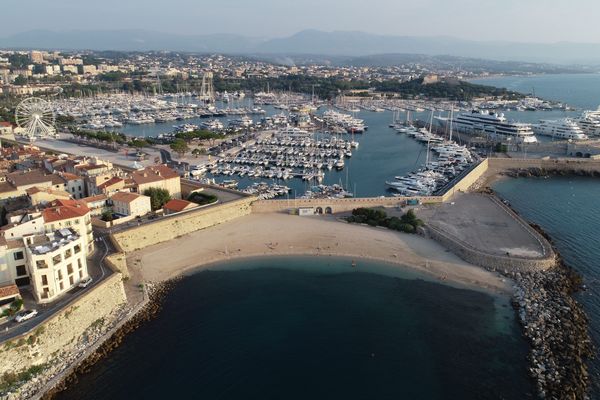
488, 261
173, 226
67, 330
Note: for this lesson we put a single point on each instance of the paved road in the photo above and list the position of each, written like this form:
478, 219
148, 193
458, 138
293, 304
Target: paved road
98, 272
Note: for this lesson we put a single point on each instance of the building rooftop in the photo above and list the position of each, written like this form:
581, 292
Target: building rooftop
177, 205
125, 197
153, 174
94, 199
35, 189
44, 244
32, 177
112, 181
8, 291
65, 209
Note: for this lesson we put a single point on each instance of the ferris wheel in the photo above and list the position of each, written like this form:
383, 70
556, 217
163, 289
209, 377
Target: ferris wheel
36, 117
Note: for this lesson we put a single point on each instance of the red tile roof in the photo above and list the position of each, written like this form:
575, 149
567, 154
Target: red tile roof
9, 291
112, 181
177, 205
65, 209
93, 199
125, 197
70, 177
153, 174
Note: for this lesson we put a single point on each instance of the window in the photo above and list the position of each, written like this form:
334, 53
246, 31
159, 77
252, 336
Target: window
68, 253
71, 280
21, 270
41, 264
60, 285
77, 248
80, 274
44, 280
80, 188
79, 263
19, 255
70, 269
60, 275
56, 259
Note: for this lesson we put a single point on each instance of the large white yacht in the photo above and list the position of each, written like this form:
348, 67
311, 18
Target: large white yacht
589, 122
491, 123
561, 129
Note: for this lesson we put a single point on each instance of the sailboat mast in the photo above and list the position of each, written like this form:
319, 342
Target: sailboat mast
451, 120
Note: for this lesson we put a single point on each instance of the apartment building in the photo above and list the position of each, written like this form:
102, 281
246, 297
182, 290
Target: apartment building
130, 204
46, 249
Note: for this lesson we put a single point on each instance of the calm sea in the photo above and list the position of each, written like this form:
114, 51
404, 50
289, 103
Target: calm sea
576, 90
316, 328
567, 208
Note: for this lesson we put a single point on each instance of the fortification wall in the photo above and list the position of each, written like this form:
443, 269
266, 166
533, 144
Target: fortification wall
488, 261
467, 181
567, 165
336, 205
118, 262
68, 331
171, 227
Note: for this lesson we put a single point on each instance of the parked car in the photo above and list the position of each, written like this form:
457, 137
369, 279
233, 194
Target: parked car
25, 315
85, 282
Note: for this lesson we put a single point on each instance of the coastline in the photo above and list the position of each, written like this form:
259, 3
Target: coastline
142, 312
437, 268
552, 320
268, 235
283, 235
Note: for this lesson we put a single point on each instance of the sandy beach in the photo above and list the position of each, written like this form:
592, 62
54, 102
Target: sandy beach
279, 234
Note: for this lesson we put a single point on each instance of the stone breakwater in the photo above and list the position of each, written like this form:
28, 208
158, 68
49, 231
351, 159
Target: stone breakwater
557, 329
542, 172
156, 294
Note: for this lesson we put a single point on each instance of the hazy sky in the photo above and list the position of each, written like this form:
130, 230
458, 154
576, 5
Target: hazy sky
513, 20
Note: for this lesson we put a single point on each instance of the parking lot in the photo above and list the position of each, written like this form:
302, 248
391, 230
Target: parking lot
483, 224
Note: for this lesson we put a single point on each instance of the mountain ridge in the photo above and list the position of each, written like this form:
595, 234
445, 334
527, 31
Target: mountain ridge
335, 43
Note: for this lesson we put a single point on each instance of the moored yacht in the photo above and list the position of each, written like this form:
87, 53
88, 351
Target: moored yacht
490, 123
561, 129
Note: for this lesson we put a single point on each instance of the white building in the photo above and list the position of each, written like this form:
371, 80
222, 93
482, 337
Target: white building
127, 204
47, 250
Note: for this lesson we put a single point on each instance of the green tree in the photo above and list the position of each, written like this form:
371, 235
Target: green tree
179, 146
158, 197
138, 143
20, 80
107, 215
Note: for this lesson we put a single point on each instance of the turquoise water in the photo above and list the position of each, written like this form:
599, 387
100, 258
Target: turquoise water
316, 328
567, 208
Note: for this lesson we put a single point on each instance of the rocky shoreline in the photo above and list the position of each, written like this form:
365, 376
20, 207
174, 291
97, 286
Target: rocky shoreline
556, 327
156, 295
553, 322
541, 172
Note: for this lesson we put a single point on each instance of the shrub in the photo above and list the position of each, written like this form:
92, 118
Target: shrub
408, 228
202, 198
158, 197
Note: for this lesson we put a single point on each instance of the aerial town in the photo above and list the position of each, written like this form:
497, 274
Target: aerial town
122, 171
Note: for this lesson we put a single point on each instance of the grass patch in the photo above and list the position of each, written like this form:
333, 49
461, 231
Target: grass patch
11, 380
